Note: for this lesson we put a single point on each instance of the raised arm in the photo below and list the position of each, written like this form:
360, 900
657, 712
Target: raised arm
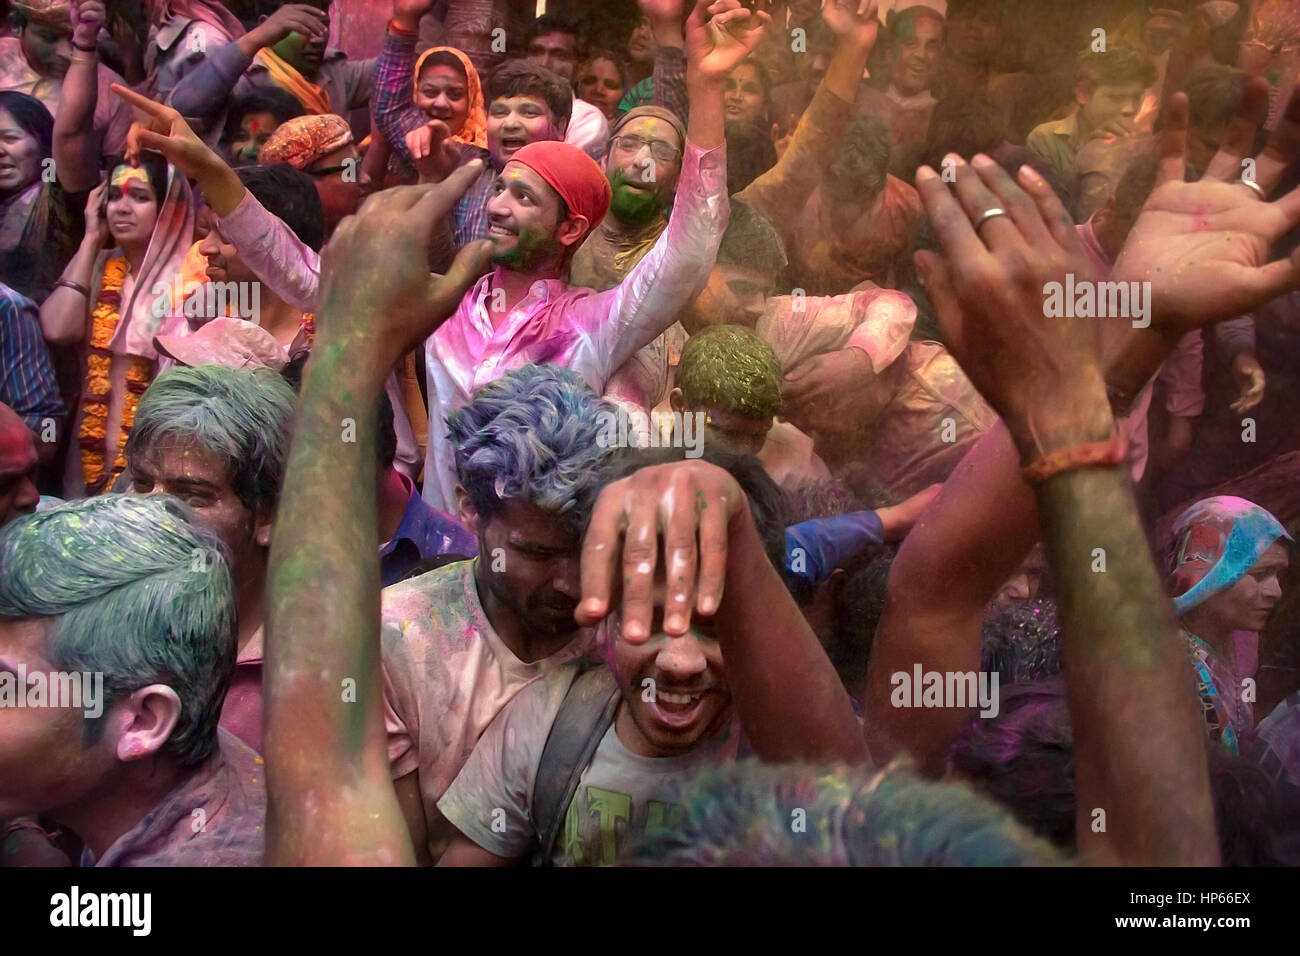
391, 104
782, 191
76, 145
669, 74
65, 313
1139, 735
289, 267
207, 89
789, 699
330, 796
630, 315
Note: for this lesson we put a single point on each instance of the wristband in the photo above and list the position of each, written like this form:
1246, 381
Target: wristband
17, 825
1098, 454
398, 30
74, 286
93, 48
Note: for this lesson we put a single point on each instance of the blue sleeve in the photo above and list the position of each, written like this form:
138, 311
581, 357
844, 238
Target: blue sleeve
814, 549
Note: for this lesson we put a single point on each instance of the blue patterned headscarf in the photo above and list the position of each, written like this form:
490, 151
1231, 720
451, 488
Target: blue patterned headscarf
1216, 543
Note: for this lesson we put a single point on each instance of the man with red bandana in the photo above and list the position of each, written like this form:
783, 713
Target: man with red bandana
544, 202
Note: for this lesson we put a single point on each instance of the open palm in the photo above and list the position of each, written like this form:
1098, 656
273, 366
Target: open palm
1205, 246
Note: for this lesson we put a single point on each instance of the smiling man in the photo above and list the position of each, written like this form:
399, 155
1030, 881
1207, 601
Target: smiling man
663, 710
545, 200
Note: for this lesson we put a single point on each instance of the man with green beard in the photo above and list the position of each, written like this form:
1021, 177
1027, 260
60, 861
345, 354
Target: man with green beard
642, 164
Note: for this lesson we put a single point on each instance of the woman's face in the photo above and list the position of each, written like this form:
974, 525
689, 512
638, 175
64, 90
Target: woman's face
601, 84
442, 94
132, 206
641, 44
20, 156
743, 99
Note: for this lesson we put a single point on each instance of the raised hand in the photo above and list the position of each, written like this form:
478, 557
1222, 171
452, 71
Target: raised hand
291, 18
410, 11
87, 16
844, 17
672, 505
721, 33
96, 224
1040, 373
376, 289
434, 153
665, 10
1204, 246
165, 130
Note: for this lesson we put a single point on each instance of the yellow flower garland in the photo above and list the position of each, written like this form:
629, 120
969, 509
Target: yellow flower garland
104, 320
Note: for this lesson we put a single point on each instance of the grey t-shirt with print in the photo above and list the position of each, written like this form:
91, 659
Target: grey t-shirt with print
620, 794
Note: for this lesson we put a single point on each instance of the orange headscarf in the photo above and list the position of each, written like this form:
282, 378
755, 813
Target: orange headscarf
474, 132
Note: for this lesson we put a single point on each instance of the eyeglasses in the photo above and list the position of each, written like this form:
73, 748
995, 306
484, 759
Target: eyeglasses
661, 150
327, 170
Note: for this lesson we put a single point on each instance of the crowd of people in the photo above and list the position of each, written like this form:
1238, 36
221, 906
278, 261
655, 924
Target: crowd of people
660, 432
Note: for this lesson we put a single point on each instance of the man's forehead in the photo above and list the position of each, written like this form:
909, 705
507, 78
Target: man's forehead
555, 39
523, 99
174, 458
23, 639
17, 449
517, 172
651, 127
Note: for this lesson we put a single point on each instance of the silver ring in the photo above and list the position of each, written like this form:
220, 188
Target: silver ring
1259, 190
988, 214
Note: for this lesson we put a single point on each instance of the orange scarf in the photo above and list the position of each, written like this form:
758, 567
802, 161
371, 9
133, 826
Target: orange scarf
474, 132
313, 98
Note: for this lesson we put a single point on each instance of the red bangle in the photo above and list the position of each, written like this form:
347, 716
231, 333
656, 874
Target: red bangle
93, 48
1098, 454
401, 31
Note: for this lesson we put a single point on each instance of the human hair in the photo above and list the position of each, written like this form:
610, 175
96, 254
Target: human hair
32, 117
863, 159
750, 153
138, 590
289, 194
281, 104
521, 78
902, 23
1024, 757
751, 241
444, 58
863, 816
601, 53
1021, 641
154, 166
532, 435
766, 502
1213, 94
556, 23
1120, 65
964, 124
732, 368
244, 416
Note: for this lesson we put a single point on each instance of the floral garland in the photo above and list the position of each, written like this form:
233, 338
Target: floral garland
104, 320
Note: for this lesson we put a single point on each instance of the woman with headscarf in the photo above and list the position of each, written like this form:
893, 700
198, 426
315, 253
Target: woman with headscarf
39, 220
112, 302
410, 94
1226, 560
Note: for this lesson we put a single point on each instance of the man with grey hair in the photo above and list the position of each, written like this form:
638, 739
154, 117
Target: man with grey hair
461, 641
217, 438
119, 613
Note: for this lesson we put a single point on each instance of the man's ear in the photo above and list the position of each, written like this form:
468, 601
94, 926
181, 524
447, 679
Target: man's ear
572, 231
1082, 96
145, 720
262, 525
466, 512
676, 400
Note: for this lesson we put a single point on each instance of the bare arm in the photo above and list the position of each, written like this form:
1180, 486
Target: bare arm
66, 312
76, 145
330, 796
465, 852
1139, 742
